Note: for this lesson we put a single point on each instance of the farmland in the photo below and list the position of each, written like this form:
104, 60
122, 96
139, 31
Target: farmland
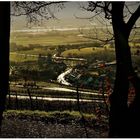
28, 66
26, 47
36, 61
52, 38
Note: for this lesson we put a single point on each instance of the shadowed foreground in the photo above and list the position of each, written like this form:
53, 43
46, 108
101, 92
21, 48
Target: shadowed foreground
58, 125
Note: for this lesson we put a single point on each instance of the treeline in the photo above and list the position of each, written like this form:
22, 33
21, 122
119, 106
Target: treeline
59, 48
44, 70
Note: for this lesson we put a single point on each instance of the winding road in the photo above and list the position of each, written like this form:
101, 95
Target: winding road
61, 77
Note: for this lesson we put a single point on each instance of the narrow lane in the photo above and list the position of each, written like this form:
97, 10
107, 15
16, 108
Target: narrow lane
54, 99
72, 90
61, 77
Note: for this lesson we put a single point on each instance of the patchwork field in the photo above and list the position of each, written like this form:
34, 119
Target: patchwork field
48, 38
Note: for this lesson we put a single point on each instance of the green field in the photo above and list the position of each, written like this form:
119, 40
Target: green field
14, 57
48, 38
85, 51
72, 42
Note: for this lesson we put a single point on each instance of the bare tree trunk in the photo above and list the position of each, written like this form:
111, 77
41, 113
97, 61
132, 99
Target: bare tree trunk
119, 108
123, 120
134, 110
4, 54
118, 99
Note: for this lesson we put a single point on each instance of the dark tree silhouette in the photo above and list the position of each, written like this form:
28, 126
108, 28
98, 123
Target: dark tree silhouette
4, 53
124, 72
32, 10
123, 120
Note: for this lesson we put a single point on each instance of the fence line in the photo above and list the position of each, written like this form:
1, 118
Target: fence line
25, 99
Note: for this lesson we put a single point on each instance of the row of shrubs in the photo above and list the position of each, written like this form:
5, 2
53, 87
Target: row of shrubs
27, 104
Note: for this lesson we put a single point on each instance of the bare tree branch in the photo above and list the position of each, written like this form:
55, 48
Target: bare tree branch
131, 22
100, 7
91, 17
35, 11
95, 37
128, 9
26, 8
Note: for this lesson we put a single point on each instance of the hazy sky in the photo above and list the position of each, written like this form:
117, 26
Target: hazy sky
66, 17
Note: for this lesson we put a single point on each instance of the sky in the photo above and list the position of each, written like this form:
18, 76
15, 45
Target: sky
66, 18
